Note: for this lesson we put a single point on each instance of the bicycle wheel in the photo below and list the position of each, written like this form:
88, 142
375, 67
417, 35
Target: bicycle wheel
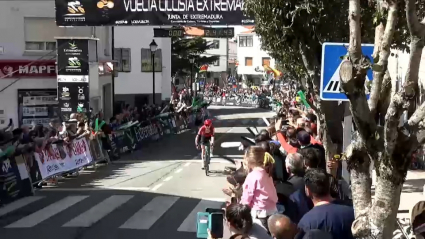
207, 159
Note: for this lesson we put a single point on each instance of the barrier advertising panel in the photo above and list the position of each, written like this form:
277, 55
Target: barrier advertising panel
150, 12
61, 159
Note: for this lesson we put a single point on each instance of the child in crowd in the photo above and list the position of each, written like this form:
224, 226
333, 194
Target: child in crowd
259, 191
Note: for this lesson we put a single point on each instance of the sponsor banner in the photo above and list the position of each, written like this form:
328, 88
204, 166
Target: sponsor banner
73, 96
13, 69
72, 57
10, 180
73, 79
36, 121
150, 12
35, 111
39, 100
60, 159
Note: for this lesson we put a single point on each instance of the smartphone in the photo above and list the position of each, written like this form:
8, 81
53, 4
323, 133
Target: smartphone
216, 224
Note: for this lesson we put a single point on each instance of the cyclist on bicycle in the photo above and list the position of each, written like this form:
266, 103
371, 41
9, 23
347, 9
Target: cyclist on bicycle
205, 135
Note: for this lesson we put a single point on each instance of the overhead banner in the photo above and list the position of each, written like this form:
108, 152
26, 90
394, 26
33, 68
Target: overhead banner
73, 76
150, 12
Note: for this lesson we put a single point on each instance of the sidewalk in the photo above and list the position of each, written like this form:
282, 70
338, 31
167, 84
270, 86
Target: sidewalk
412, 192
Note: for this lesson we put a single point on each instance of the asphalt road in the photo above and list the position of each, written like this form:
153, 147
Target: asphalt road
155, 192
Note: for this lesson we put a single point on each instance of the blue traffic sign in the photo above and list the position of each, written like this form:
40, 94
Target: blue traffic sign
332, 57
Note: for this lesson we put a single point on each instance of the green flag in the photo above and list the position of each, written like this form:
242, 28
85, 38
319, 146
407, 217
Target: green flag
303, 98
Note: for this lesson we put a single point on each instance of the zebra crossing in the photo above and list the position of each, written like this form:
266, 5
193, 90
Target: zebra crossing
138, 212
245, 122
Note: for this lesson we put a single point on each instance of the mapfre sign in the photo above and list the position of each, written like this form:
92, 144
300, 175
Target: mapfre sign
14, 69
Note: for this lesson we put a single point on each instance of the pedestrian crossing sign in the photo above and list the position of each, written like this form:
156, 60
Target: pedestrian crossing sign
332, 56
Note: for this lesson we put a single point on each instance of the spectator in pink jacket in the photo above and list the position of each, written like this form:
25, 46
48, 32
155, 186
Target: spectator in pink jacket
258, 189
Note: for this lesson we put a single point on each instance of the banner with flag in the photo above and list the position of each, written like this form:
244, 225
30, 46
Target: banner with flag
203, 68
276, 73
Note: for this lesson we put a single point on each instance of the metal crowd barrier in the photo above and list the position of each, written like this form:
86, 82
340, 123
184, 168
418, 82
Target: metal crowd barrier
234, 101
98, 151
19, 175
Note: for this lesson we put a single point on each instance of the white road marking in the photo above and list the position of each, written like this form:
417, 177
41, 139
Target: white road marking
95, 189
187, 164
99, 211
47, 212
168, 179
156, 187
18, 204
189, 224
266, 121
179, 170
230, 144
150, 213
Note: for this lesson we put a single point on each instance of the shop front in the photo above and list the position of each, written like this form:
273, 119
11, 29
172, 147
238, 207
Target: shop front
28, 91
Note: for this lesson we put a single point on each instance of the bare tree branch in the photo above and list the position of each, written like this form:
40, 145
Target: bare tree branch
384, 52
392, 119
355, 48
405, 99
384, 98
385, 87
417, 32
415, 27
374, 99
417, 117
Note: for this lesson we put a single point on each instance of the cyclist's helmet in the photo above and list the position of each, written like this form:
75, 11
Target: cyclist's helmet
208, 122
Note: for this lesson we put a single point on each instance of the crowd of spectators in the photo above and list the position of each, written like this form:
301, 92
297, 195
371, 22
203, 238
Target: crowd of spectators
282, 189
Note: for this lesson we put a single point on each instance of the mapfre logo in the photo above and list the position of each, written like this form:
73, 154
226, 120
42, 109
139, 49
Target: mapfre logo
6, 71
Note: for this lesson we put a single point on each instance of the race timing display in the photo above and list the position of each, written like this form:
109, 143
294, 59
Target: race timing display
219, 32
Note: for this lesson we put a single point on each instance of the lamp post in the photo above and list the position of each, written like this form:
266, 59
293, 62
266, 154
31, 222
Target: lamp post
153, 46
192, 60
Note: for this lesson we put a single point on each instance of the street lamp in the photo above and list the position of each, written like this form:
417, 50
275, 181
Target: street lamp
192, 60
153, 46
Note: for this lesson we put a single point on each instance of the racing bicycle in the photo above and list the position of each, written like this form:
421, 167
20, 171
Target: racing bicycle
207, 157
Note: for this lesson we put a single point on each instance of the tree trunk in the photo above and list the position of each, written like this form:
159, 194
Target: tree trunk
312, 66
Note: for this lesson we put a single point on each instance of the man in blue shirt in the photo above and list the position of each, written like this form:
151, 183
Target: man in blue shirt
326, 214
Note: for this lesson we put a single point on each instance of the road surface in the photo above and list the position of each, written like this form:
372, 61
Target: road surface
155, 192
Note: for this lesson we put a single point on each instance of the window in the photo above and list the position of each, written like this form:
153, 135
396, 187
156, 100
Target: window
123, 58
39, 34
217, 62
266, 61
50, 46
146, 56
215, 44
246, 41
40, 46
248, 61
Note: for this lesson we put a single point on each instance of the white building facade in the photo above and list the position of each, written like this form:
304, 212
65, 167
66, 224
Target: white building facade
28, 39
217, 70
251, 58
134, 83
28, 43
